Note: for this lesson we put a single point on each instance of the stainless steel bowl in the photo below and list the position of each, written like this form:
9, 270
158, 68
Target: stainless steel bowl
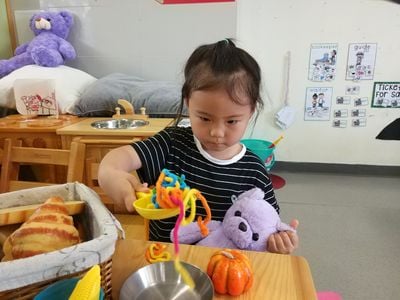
160, 281
119, 124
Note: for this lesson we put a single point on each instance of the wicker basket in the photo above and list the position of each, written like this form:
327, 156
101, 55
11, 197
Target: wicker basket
24, 278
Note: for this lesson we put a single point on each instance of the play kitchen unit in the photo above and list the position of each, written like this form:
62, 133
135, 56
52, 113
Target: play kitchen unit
129, 126
99, 134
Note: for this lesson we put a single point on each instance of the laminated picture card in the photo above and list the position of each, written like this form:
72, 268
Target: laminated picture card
35, 96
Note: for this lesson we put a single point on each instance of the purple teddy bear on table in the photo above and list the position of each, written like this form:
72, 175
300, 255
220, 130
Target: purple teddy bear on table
247, 225
48, 48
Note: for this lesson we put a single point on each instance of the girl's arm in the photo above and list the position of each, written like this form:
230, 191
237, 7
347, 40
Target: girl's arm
115, 178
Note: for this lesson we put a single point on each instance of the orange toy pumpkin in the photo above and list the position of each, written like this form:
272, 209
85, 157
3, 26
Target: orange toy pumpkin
230, 272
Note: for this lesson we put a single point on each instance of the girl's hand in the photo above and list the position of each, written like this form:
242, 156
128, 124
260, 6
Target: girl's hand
128, 193
116, 180
284, 242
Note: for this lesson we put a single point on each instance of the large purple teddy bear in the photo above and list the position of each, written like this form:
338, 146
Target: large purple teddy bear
247, 225
48, 48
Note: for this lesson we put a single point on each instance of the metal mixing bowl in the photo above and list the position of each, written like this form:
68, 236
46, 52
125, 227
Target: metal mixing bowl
119, 124
160, 281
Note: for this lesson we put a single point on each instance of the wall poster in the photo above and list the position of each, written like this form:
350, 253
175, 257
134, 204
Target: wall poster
361, 61
318, 103
322, 66
386, 94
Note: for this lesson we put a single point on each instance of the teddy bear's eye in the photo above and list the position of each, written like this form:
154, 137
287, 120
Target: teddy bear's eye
48, 19
255, 236
238, 214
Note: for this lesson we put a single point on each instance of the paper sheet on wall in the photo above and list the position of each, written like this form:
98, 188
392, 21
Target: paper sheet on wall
322, 66
35, 96
386, 94
361, 61
318, 104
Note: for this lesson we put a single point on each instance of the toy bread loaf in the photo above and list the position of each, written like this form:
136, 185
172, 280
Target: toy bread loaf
49, 228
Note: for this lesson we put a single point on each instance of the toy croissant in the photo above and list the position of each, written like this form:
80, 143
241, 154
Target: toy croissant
49, 228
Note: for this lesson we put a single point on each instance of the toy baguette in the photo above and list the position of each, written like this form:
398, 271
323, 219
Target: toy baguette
49, 228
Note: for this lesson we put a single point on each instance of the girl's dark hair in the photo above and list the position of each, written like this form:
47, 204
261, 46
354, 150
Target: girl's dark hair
223, 65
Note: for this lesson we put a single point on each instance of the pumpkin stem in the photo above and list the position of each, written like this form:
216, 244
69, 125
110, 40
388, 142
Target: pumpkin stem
227, 254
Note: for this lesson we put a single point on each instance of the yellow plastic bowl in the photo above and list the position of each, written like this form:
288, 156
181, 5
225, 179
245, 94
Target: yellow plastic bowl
142, 207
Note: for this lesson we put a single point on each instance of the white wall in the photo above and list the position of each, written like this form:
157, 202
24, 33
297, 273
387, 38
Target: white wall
145, 38
268, 29
137, 37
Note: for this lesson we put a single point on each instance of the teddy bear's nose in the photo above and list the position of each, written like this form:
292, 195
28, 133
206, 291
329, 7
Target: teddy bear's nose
255, 237
242, 227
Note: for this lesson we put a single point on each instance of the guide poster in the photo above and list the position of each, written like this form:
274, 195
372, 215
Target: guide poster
361, 61
318, 103
322, 66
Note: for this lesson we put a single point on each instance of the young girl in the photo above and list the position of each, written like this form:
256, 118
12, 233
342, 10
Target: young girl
222, 92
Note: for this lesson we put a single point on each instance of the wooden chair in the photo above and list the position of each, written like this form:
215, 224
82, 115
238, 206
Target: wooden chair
14, 155
95, 149
134, 225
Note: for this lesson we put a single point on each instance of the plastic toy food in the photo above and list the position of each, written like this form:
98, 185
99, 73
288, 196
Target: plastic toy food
157, 252
230, 272
48, 229
172, 197
164, 201
88, 288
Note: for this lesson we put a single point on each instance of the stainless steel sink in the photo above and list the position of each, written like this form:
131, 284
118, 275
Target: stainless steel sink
119, 124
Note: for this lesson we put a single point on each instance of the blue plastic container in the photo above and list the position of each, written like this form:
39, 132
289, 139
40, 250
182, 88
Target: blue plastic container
262, 149
61, 290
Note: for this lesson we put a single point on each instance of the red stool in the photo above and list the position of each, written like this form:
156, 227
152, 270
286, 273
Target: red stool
277, 181
328, 296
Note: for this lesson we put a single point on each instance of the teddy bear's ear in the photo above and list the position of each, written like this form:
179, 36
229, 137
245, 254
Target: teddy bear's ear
254, 193
68, 17
33, 18
234, 198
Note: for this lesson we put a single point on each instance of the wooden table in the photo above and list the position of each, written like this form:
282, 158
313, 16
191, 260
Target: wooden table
276, 276
37, 132
85, 130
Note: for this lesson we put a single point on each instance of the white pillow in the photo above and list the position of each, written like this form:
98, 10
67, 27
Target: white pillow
70, 84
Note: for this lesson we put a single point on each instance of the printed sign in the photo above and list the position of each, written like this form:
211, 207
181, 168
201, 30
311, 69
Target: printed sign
359, 122
358, 112
340, 113
352, 90
361, 101
361, 61
339, 123
386, 94
322, 66
318, 103
35, 96
342, 100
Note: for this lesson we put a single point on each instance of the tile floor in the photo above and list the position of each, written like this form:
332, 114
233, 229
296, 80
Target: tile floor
349, 231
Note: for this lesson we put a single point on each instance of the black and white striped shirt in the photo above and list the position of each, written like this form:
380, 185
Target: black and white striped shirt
175, 149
